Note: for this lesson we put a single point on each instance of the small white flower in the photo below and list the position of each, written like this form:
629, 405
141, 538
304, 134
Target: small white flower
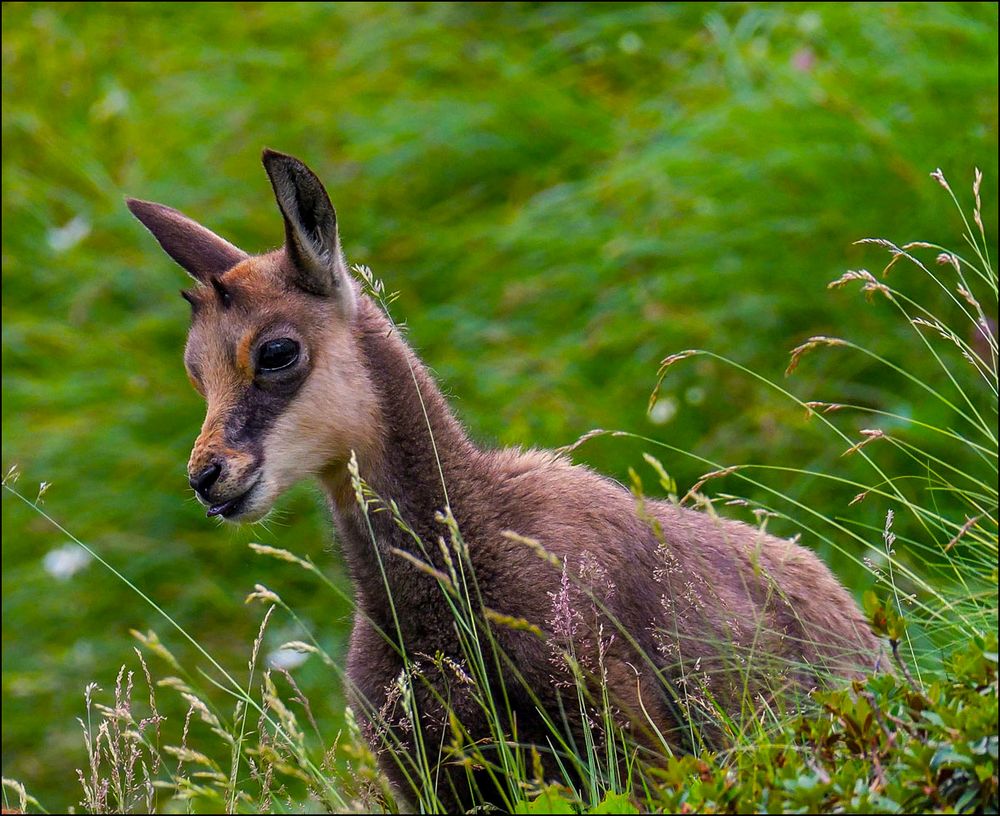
113, 103
663, 410
287, 659
66, 561
64, 238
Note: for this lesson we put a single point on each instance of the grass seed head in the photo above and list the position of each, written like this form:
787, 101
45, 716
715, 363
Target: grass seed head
807, 346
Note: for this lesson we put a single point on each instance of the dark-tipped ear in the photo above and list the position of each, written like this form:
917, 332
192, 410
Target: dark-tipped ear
311, 238
199, 250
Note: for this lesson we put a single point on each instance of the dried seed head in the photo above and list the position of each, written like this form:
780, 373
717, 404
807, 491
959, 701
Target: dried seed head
852, 275
824, 407
585, 438
949, 258
969, 523
870, 434
666, 362
533, 544
262, 593
259, 639
969, 297
281, 555
888, 536
871, 283
882, 242
152, 642
510, 622
299, 646
197, 705
933, 324
714, 474
662, 372
809, 345
938, 176
425, 568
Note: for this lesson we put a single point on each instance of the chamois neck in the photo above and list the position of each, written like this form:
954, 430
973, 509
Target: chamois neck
420, 435
407, 464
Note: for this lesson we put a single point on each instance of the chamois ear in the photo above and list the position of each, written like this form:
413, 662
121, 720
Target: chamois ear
311, 237
201, 252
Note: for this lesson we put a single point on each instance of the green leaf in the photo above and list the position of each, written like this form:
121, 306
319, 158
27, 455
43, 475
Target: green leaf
552, 799
615, 803
946, 755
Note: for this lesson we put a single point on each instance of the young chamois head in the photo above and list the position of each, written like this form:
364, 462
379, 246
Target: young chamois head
270, 348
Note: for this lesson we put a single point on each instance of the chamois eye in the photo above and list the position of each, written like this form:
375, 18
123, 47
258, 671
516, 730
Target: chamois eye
276, 355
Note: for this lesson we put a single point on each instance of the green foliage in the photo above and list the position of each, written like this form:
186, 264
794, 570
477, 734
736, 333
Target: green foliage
885, 620
551, 800
562, 195
615, 803
880, 746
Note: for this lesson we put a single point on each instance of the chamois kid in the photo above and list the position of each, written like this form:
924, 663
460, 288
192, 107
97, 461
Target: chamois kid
671, 620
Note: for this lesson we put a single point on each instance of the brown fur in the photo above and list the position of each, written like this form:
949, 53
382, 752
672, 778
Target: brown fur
682, 613
712, 605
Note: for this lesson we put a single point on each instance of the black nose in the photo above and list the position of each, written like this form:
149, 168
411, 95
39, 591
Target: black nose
208, 477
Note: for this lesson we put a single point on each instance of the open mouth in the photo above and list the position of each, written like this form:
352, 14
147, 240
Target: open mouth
232, 507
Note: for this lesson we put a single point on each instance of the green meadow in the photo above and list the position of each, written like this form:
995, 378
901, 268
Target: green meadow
562, 195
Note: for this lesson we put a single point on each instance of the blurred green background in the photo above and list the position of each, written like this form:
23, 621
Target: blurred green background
562, 194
